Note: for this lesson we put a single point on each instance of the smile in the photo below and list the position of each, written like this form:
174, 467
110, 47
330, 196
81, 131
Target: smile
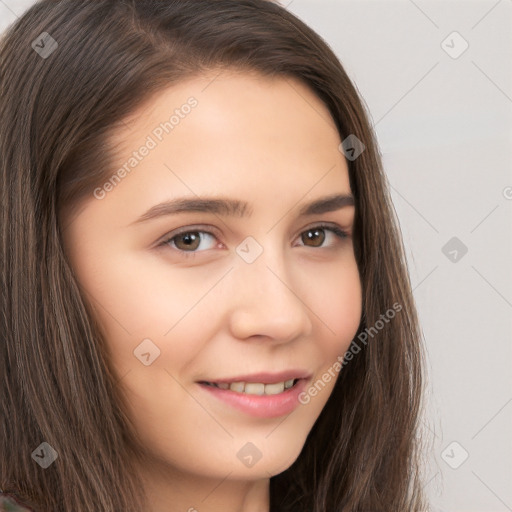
254, 388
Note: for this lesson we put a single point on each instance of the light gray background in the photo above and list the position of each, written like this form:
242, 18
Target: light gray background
444, 127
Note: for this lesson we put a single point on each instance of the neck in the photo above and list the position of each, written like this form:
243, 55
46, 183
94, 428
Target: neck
172, 490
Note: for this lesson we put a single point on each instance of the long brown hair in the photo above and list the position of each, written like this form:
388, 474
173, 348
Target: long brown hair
57, 111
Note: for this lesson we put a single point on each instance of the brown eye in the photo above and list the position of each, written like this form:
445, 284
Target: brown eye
316, 236
313, 237
187, 241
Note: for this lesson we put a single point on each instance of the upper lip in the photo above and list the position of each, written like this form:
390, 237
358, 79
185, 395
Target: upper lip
265, 377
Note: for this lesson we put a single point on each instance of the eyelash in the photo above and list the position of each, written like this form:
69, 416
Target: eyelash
338, 232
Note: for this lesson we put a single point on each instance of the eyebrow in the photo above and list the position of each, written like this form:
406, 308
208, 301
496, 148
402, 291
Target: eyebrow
236, 208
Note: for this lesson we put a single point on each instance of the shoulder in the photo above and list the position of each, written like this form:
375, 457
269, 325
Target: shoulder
9, 503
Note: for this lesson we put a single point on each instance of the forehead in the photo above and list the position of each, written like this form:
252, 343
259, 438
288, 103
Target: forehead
231, 133
231, 105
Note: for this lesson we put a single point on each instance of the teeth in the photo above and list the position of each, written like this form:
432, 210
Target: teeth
256, 388
274, 389
237, 386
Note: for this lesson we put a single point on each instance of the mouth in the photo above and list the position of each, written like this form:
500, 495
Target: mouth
255, 388
271, 399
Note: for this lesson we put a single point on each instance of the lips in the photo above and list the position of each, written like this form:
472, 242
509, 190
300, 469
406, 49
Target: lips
258, 405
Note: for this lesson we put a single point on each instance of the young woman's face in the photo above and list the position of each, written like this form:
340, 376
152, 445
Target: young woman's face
197, 296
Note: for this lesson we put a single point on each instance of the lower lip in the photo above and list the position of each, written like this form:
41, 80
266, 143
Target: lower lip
261, 406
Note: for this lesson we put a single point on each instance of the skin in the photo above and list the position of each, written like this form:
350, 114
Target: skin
272, 143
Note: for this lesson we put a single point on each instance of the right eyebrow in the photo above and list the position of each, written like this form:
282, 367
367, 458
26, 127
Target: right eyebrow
237, 208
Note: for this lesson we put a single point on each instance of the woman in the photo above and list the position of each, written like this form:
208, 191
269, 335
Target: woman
280, 367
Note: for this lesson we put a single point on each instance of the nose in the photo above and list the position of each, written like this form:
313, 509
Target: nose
267, 301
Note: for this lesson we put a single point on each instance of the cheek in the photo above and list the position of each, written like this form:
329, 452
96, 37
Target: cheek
148, 294
336, 302
134, 298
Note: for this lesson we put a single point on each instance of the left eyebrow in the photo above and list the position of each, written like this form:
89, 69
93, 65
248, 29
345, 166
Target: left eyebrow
236, 208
